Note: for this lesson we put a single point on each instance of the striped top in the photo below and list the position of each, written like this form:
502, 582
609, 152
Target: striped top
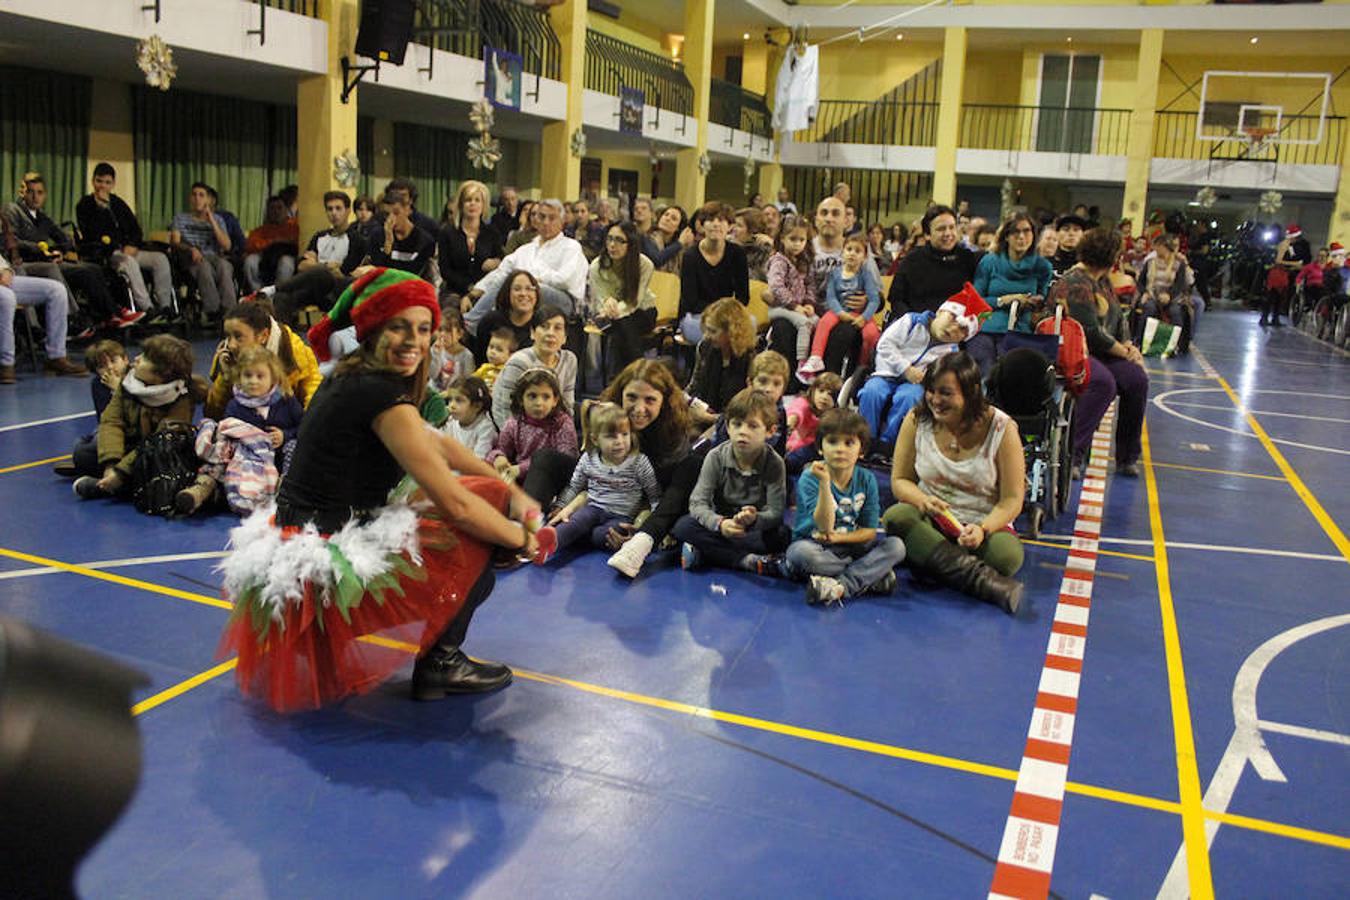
615, 489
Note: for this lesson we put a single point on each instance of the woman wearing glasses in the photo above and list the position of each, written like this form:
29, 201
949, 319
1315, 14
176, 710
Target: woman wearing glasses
620, 296
1013, 273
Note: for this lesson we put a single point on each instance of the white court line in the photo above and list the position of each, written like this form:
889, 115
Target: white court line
1245, 746
46, 421
1216, 548
115, 563
1259, 412
1158, 402
1312, 734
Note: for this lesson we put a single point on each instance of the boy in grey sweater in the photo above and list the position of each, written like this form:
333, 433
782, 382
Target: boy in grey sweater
736, 510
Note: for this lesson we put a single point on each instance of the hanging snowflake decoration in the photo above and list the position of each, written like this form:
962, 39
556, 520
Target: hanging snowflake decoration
346, 169
1206, 197
1007, 199
481, 115
704, 164
484, 152
578, 142
1270, 202
653, 157
155, 59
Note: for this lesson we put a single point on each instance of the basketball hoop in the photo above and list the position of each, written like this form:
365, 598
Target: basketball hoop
1258, 139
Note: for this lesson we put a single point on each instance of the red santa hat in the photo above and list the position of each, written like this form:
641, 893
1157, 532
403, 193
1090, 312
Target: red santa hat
369, 302
968, 307
1336, 247
1292, 231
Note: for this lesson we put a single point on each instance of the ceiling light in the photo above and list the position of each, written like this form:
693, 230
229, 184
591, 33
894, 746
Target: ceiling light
745, 36
1254, 40
1069, 40
900, 36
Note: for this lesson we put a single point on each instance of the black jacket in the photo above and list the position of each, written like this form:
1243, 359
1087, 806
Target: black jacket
460, 269
925, 279
30, 230
115, 221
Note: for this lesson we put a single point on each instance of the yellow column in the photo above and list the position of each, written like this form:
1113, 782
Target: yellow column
770, 180
111, 135
560, 171
325, 126
1339, 228
949, 114
1139, 144
755, 65
698, 33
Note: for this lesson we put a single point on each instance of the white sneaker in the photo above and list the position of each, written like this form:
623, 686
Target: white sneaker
809, 369
629, 558
824, 590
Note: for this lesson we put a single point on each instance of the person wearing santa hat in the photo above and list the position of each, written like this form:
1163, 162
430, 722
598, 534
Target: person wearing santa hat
1292, 254
344, 570
1116, 367
907, 348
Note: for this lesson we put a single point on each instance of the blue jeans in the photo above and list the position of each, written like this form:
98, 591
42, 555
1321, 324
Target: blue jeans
881, 392
856, 566
590, 520
727, 553
55, 302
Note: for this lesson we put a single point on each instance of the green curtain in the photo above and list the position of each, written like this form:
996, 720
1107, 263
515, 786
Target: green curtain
365, 155
246, 150
44, 126
434, 158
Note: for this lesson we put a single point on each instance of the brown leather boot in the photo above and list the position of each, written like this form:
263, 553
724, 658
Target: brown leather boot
63, 366
7, 375
191, 498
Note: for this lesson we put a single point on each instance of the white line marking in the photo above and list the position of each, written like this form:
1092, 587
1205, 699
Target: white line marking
1060, 682
115, 563
1260, 412
1042, 779
1080, 544
1312, 734
1158, 402
46, 421
1245, 745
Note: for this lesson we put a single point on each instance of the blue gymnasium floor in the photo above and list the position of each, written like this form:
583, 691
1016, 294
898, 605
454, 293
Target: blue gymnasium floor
709, 735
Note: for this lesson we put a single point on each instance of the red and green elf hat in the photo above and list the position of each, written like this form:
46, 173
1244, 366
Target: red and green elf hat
369, 302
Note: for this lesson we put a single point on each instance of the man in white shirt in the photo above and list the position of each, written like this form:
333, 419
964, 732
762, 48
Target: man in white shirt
555, 260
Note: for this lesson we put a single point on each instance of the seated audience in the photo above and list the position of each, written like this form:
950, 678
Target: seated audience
47, 293
668, 239
470, 421
401, 243
271, 248
792, 289
1010, 274
326, 266
555, 261
1069, 229
202, 235
931, 273
106, 221
714, 269
108, 360
469, 248
540, 420
1166, 288
514, 308
620, 293
722, 359
846, 287
251, 325
546, 352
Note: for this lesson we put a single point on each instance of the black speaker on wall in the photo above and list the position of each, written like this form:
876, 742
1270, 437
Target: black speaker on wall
386, 28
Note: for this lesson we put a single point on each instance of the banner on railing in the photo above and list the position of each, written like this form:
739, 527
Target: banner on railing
632, 104
502, 77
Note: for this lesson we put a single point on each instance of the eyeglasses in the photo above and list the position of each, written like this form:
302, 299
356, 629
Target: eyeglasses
615, 239
1023, 231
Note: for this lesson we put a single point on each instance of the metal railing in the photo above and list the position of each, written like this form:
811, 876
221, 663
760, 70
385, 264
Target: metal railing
464, 27
878, 193
1174, 138
299, 7
1048, 129
735, 107
876, 122
612, 64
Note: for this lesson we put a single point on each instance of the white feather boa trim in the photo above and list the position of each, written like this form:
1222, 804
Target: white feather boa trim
258, 555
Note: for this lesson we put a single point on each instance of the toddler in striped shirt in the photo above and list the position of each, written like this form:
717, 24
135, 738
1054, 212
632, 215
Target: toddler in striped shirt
610, 482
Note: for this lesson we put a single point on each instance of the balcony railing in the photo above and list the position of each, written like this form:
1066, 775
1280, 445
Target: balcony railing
735, 107
1174, 138
874, 122
879, 192
1044, 128
299, 7
612, 64
463, 27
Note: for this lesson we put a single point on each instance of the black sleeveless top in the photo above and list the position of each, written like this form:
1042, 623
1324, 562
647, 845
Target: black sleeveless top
340, 468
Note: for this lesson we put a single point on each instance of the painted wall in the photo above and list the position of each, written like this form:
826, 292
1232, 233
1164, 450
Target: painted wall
993, 76
852, 71
629, 28
110, 135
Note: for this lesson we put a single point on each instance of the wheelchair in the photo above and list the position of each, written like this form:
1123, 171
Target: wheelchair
1023, 383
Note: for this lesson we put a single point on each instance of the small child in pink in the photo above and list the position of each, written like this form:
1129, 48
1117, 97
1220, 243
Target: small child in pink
803, 415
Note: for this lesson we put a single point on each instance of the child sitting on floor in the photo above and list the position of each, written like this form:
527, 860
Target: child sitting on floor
158, 392
539, 420
909, 346
836, 544
450, 359
803, 414
609, 483
735, 517
721, 360
108, 361
768, 375
501, 344
246, 451
851, 281
470, 422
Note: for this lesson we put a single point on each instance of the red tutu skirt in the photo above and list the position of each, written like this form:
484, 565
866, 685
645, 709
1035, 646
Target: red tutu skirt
318, 617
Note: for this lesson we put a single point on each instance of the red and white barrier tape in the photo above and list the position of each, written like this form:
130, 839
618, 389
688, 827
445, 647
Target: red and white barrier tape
1027, 855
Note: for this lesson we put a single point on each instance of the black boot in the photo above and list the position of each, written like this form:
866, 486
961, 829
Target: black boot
958, 569
446, 670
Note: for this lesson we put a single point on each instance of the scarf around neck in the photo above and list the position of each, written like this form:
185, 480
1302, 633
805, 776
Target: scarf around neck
271, 398
153, 394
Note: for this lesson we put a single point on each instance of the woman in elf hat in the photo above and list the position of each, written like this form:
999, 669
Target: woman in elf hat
336, 584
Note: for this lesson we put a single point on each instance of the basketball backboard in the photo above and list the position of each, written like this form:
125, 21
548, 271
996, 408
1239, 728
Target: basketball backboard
1263, 108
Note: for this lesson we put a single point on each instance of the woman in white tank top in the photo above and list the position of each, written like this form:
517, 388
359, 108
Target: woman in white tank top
959, 458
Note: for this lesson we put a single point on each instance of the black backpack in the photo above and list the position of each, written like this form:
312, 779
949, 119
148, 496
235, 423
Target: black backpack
165, 464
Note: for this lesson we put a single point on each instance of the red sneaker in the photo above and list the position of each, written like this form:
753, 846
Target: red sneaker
548, 545
129, 317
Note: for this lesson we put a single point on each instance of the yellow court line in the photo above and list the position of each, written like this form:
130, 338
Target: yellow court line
1188, 774
33, 464
1309, 500
922, 757
1219, 471
116, 579
1118, 553
183, 687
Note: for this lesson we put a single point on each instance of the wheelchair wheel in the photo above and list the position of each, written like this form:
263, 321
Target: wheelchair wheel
1342, 329
1061, 458
1049, 504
